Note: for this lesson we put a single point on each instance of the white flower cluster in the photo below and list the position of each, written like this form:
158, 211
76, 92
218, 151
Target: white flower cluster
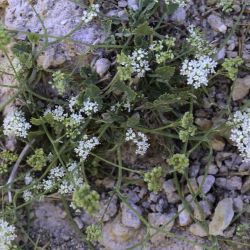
54, 177
15, 124
27, 195
197, 42
240, 134
140, 140
72, 180
85, 146
7, 235
57, 113
181, 3
89, 107
162, 49
198, 70
89, 15
139, 62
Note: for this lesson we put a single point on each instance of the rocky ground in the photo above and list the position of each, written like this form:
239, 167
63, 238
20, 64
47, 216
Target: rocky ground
225, 180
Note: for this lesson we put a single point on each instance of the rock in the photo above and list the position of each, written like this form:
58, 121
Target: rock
230, 183
212, 169
246, 186
122, 3
133, 4
102, 65
179, 16
221, 54
129, 218
206, 183
79, 223
119, 237
108, 209
238, 204
193, 185
169, 188
194, 170
184, 216
223, 216
218, 144
159, 220
216, 23
60, 18
203, 123
203, 211
198, 230
241, 88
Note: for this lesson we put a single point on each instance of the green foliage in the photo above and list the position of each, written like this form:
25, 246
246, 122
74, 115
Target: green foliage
187, 127
86, 198
93, 232
22, 50
179, 162
231, 66
243, 230
125, 70
4, 38
6, 159
226, 5
38, 160
59, 82
154, 179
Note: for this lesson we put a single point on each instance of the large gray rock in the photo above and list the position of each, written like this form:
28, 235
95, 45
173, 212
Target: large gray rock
60, 18
241, 88
206, 183
233, 183
223, 216
129, 217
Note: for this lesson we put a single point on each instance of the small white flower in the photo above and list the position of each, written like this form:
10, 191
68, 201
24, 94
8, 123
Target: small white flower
28, 179
85, 146
27, 195
89, 107
7, 235
181, 3
240, 134
15, 124
72, 103
139, 62
89, 15
140, 140
197, 71
57, 113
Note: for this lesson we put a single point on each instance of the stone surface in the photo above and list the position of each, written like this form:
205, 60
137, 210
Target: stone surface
158, 220
233, 183
170, 190
102, 65
60, 18
129, 217
203, 123
179, 16
216, 23
184, 216
218, 144
119, 237
133, 4
206, 183
222, 217
212, 169
198, 230
241, 88
238, 204
202, 211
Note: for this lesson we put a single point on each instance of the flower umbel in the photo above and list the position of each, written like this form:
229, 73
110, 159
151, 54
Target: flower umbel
15, 124
7, 235
180, 162
154, 179
198, 70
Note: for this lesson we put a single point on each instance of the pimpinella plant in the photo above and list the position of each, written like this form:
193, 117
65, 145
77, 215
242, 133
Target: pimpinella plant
59, 82
6, 159
226, 5
231, 66
179, 162
154, 179
86, 198
38, 160
93, 232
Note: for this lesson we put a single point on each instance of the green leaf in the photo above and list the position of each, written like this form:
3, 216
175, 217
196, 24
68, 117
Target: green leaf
165, 72
37, 121
130, 93
132, 122
143, 30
